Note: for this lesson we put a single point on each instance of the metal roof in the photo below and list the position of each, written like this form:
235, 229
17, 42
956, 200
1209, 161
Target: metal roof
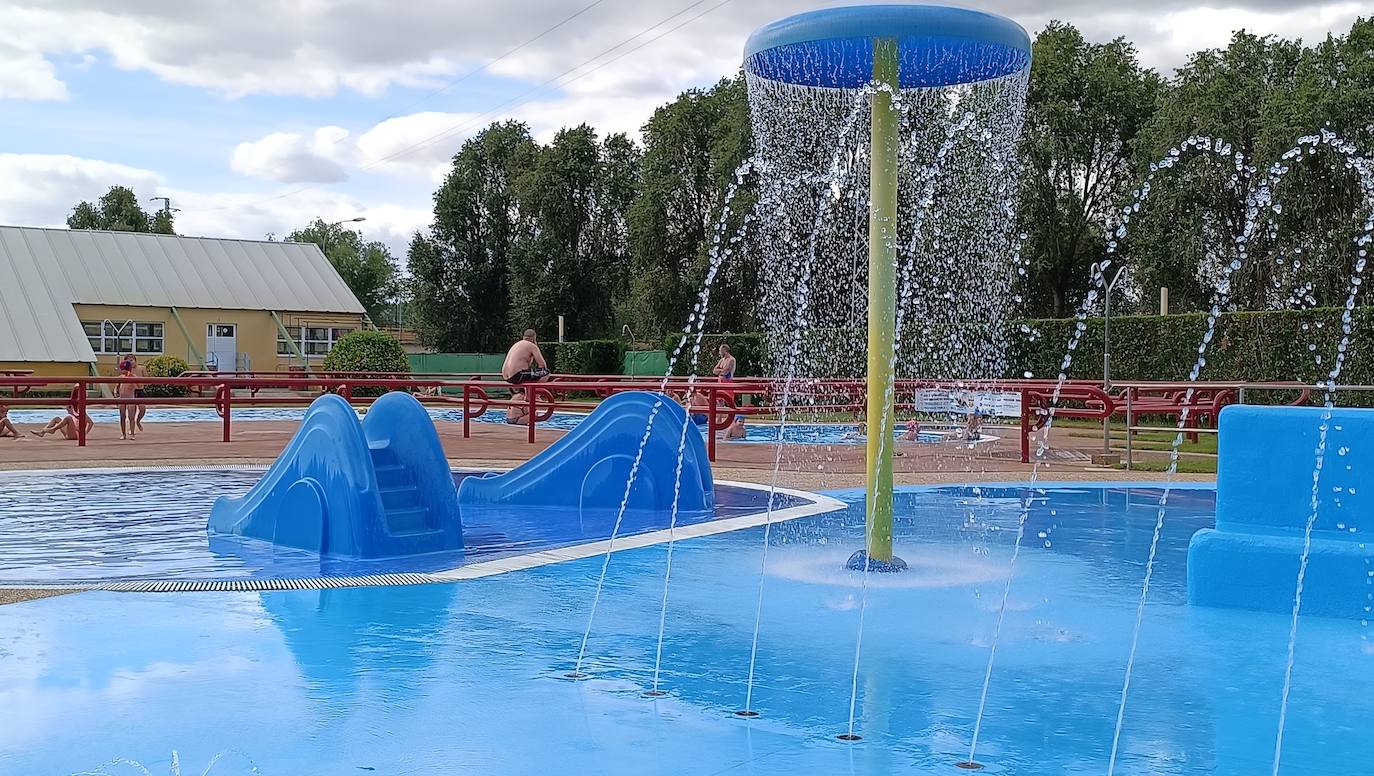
43, 272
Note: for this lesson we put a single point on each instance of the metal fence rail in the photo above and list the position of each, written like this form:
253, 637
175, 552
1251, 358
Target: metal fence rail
1031, 402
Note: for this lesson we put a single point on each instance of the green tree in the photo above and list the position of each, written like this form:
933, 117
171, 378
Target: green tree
1258, 95
692, 147
1085, 106
366, 267
571, 253
118, 210
459, 270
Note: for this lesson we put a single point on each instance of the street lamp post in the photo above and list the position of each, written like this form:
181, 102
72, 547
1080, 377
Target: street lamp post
354, 220
1107, 354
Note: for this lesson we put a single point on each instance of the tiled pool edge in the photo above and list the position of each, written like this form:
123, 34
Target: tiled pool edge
818, 504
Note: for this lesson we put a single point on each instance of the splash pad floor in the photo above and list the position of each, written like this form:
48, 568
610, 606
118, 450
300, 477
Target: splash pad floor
466, 677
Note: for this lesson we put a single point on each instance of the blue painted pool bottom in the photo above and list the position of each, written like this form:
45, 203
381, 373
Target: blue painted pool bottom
438, 679
77, 527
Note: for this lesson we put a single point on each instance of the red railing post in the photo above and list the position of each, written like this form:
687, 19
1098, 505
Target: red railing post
228, 400
80, 413
529, 396
710, 424
467, 411
1025, 425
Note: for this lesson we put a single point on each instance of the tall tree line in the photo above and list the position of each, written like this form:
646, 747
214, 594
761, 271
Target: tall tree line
611, 233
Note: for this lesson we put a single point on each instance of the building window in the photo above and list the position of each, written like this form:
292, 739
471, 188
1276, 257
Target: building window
110, 338
313, 341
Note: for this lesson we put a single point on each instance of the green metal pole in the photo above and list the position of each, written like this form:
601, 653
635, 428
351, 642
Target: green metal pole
882, 300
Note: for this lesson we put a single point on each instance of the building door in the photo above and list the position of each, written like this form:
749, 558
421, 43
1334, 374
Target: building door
221, 346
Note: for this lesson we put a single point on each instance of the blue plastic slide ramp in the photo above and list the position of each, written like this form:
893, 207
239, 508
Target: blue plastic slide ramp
588, 469
376, 489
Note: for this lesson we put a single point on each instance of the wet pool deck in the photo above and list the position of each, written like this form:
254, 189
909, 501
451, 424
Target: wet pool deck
494, 446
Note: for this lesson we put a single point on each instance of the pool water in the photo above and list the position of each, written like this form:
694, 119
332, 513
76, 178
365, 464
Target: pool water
74, 527
762, 433
466, 677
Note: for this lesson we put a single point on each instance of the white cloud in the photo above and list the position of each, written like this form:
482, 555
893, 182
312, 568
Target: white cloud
253, 216
419, 144
26, 75
288, 157
41, 189
317, 48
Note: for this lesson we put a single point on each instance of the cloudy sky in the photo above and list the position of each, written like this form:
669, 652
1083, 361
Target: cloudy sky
255, 116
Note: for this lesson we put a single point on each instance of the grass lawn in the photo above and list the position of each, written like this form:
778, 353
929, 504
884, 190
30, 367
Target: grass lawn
1185, 465
1161, 440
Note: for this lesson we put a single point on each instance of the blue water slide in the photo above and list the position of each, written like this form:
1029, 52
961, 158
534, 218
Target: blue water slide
588, 469
376, 489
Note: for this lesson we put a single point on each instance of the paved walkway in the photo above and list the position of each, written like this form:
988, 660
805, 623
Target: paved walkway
495, 446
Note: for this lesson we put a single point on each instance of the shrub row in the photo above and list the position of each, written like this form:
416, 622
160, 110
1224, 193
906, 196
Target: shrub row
750, 352
1245, 346
586, 357
1248, 346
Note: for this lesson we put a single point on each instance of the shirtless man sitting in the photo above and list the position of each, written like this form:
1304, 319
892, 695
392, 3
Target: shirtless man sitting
64, 425
524, 362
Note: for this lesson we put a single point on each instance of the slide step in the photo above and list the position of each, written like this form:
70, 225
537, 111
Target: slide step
392, 476
407, 521
400, 497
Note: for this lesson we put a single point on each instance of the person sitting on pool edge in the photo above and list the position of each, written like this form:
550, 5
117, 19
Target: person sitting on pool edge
524, 363
974, 428
735, 430
7, 428
517, 414
64, 425
725, 367
913, 431
697, 405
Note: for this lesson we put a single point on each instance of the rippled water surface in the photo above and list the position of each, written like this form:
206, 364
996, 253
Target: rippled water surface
465, 678
116, 526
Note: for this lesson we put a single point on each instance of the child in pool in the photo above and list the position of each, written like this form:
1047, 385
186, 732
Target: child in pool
736, 429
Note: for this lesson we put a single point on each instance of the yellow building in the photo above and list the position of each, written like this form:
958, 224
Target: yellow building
71, 301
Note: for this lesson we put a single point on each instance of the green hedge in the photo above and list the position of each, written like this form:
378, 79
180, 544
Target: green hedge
586, 357
1248, 346
367, 351
164, 366
748, 349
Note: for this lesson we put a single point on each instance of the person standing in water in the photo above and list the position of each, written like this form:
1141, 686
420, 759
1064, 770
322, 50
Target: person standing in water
524, 363
725, 367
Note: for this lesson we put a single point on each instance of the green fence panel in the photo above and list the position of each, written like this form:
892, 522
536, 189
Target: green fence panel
645, 363
456, 363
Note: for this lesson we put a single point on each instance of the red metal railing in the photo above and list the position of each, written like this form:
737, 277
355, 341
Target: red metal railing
474, 394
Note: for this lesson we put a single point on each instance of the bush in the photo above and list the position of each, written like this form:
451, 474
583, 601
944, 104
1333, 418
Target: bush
164, 366
751, 355
1246, 346
372, 352
1262, 346
586, 357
